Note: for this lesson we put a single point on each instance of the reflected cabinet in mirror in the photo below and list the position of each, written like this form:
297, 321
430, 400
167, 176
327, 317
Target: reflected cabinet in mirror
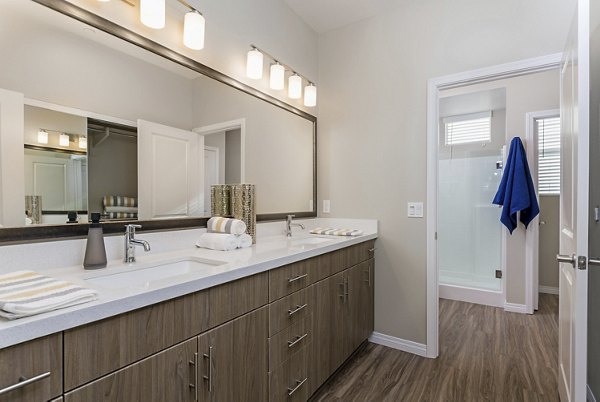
90, 122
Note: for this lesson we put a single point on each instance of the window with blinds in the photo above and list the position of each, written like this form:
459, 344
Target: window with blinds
548, 134
468, 129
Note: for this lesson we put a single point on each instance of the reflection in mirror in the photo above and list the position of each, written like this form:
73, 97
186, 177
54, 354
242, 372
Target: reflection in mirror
94, 83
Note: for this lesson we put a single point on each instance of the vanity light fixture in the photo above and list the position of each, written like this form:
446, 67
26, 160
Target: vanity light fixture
153, 13
83, 142
277, 76
295, 86
193, 30
63, 140
254, 64
42, 137
310, 95
254, 70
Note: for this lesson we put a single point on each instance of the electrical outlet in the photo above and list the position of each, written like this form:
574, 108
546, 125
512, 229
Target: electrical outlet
326, 206
415, 210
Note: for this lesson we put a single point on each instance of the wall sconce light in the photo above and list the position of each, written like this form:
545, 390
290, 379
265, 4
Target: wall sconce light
254, 64
193, 30
83, 142
63, 140
42, 137
153, 13
254, 70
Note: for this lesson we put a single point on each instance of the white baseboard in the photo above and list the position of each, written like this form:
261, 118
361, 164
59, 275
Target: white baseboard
590, 395
548, 289
515, 308
471, 295
398, 343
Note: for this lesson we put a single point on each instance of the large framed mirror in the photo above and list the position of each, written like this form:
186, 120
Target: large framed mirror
96, 118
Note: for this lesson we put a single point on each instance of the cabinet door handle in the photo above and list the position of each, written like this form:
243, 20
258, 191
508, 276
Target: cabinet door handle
347, 291
209, 377
299, 383
343, 295
298, 308
195, 383
368, 272
298, 339
296, 278
24, 383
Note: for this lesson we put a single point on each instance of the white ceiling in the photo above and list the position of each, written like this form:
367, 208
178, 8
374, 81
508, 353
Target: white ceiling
325, 15
482, 101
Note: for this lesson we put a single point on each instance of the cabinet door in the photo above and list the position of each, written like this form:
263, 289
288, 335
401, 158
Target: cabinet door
327, 352
166, 376
358, 306
233, 360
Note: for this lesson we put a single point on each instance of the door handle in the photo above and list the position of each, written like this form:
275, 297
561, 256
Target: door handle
567, 259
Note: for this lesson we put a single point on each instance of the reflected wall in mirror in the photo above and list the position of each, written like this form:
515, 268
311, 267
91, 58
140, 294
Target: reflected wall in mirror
62, 68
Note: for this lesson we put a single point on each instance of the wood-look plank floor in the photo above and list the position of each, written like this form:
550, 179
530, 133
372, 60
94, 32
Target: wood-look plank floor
486, 354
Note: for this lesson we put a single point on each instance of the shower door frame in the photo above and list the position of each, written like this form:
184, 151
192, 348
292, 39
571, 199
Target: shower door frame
434, 86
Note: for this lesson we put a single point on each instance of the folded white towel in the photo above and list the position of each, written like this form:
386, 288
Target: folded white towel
129, 210
218, 241
25, 293
337, 232
244, 241
226, 225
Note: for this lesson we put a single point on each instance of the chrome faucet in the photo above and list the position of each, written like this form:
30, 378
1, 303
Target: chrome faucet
289, 224
131, 242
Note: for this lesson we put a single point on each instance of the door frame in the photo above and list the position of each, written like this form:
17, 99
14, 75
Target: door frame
434, 86
228, 126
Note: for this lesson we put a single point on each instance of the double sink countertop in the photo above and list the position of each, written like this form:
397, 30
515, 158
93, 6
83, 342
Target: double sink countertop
160, 276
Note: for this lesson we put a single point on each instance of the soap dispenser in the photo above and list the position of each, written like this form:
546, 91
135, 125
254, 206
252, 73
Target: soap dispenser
95, 253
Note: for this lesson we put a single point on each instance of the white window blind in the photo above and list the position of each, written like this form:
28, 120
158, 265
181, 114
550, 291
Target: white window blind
468, 129
548, 133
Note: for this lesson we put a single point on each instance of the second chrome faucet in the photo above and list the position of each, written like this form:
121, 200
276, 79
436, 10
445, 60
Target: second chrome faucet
131, 242
289, 224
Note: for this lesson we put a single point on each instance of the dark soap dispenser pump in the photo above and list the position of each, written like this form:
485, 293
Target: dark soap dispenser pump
95, 253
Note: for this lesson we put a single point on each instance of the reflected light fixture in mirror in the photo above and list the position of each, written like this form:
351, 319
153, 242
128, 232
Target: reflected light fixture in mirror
310, 95
193, 30
42, 137
295, 86
277, 76
63, 140
83, 142
254, 64
153, 13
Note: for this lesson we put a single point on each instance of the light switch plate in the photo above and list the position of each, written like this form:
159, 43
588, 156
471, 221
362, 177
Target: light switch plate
415, 210
326, 206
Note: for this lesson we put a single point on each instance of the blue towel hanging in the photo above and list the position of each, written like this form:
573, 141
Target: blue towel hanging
516, 192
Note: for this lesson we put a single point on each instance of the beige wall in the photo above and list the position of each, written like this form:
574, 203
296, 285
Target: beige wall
549, 238
372, 127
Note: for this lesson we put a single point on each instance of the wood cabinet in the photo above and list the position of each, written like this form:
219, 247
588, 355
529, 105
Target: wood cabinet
233, 362
39, 359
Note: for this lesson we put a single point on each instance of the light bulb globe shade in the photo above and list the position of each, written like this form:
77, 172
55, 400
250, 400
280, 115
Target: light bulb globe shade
83, 142
295, 87
152, 13
277, 77
63, 140
103, 1
42, 137
310, 96
254, 64
193, 30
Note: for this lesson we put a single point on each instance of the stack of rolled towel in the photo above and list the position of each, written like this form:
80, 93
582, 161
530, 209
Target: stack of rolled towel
25, 293
337, 232
225, 234
119, 207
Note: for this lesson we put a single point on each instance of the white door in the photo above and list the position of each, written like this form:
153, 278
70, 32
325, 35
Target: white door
170, 172
12, 189
211, 174
573, 281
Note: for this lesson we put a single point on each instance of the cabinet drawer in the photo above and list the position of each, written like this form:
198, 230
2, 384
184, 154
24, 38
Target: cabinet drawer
166, 376
291, 278
288, 342
99, 348
292, 308
237, 298
41, 358
290, 378
359, 253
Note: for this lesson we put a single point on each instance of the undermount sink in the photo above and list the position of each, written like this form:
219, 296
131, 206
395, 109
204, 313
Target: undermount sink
151, 275
311, 241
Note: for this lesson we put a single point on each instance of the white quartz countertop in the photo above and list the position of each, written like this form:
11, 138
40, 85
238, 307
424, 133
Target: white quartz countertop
272, 250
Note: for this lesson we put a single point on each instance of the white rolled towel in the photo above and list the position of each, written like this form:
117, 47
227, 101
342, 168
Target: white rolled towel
226, 225
244, 241
218, 241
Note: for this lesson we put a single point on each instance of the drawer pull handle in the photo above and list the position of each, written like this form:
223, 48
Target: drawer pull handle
299, 384
194, 384
209, 377
298, 339
372, 249
24, 383
298, 308
296, 278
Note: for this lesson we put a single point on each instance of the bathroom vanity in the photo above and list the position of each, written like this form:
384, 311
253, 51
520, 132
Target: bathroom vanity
275, 333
